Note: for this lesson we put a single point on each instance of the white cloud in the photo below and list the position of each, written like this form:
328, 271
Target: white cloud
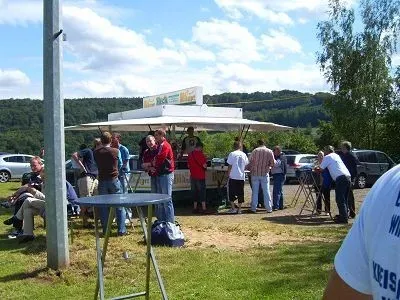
232, 41
242, 78
109, 59
21, 12
12, 79
121, 85
279, 43
168, 42
396, 60
260, 8
303, 20
195, 52
276, 11
104, 46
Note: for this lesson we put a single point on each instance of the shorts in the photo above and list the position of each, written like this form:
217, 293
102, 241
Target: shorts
236, 190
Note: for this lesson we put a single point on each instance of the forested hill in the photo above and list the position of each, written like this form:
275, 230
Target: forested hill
21, 120
290, 108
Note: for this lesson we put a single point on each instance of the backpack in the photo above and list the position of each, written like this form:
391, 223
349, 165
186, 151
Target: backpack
167, 234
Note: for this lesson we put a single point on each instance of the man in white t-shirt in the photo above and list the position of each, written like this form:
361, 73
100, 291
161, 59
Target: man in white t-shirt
237, 161
368, 263
341, 176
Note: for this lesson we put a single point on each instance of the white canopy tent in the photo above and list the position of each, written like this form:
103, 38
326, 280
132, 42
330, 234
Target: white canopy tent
201, 117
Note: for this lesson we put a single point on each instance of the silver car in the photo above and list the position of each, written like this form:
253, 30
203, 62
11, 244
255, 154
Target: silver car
298, 161
13, 166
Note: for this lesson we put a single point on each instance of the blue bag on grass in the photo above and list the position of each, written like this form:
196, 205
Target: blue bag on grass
167, 234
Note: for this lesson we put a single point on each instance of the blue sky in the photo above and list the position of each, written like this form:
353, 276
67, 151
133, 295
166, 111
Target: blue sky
146, 47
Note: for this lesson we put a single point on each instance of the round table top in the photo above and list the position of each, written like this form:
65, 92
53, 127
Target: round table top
125, 200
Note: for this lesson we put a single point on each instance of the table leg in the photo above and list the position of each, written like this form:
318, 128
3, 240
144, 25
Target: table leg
100, 281
148, 242
152, 256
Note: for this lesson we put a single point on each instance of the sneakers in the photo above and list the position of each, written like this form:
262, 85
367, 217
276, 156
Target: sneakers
15, 234
339, 220
9, 221
232, 211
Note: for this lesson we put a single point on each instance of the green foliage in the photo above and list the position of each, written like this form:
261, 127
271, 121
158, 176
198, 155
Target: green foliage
358, 67
21, 120
327, 135
389, 133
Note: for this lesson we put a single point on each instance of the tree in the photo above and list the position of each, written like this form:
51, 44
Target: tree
358, 66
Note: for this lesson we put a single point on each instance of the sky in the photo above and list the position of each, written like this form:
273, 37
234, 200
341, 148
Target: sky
146, 47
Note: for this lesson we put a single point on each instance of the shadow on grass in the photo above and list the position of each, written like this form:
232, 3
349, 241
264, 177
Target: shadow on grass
34, 247
23, 275
307, 220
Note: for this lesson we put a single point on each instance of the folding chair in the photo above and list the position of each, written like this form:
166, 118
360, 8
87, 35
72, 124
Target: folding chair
308, 185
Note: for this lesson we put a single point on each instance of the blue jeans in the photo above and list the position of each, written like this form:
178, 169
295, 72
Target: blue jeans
277, 193
165, 211
153, 182
341, 192
256, 181
123, 183
111, 187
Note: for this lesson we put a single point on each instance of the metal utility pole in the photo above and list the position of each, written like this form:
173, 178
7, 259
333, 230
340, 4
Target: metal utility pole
53, 117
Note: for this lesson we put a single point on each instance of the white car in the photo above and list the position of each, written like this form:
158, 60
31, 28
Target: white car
13, 166
298, 161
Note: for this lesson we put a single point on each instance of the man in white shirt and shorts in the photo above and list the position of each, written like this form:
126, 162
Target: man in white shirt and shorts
237, 161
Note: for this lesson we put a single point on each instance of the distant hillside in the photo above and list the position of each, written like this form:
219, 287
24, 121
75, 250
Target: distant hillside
21, 120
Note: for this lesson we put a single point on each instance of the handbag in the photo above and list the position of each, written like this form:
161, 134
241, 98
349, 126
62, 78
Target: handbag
167, 234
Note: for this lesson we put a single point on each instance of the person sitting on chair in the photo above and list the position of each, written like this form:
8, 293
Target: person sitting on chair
35, 205
33, 180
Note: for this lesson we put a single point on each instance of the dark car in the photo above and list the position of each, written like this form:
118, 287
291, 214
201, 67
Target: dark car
373, 164
290, 151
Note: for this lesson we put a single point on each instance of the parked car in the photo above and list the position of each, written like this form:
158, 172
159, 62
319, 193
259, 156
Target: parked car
297, 161
13, 166
290, 151
373, 164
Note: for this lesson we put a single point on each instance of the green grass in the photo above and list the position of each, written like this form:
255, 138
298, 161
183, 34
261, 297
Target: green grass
292, 268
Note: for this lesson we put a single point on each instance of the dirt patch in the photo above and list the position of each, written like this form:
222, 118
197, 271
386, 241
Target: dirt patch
235, 232
208, 238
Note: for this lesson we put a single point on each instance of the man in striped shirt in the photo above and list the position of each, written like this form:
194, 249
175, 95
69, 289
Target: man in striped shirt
261, 161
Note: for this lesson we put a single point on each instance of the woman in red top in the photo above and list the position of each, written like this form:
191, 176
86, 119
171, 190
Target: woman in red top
197, 163
148, 157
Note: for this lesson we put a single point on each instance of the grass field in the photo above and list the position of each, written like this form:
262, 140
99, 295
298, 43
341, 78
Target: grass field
248, 256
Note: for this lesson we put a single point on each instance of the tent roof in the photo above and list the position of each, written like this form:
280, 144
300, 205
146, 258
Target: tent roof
200, 123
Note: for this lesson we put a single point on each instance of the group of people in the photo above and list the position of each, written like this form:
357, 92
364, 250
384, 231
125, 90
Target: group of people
105, 170
342, 170
260, 163
263, 162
